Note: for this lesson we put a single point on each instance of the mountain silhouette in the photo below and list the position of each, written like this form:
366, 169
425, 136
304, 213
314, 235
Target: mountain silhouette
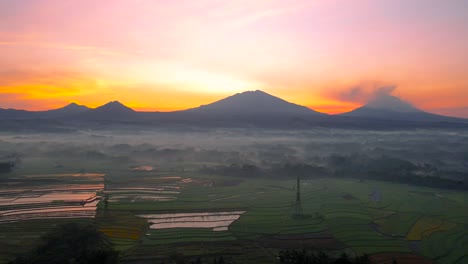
66, 111
74, 108
69, 110
254, 103
389, 107
392, 103
114, 107
16, 114
112, 111
247, 109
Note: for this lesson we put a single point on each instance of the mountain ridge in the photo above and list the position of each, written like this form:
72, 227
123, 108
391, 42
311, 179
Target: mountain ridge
113, 106
246, 109
391, 103
254, 102
389, 107
70, 109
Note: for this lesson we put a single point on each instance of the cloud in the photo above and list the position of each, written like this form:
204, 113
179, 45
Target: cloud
362, 93
384, 91
353, 94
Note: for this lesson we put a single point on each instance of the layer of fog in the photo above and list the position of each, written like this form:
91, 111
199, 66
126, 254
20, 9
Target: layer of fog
441, 148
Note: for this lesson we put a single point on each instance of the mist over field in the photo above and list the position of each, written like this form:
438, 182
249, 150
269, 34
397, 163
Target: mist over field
443, 153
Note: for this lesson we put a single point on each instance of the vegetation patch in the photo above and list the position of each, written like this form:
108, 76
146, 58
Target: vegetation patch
398, 224
425, 226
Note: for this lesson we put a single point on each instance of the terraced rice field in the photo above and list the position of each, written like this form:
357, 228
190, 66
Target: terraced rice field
47, 196
151, 215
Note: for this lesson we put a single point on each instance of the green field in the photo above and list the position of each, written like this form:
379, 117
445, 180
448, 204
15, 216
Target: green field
337, 216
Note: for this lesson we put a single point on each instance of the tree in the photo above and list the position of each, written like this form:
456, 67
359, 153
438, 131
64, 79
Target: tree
72, 243
5, 167
304, 257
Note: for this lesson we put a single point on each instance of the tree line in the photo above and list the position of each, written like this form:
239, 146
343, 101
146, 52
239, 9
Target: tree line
382, 168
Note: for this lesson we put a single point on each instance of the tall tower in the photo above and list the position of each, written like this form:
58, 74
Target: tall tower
298, 190
298, 207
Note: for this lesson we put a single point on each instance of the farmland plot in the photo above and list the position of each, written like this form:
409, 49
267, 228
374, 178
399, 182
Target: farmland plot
51, 196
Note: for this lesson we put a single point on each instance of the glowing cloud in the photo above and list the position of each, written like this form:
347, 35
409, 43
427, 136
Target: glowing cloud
309, 52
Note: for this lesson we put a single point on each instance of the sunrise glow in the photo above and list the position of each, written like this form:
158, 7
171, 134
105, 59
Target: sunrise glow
174, 55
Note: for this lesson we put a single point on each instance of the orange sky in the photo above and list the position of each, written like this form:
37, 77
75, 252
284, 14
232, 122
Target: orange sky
171, 55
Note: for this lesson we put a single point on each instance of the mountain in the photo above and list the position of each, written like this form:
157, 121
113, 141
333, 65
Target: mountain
254, 103
16, 114
247, 109
114, 107
392, 103
388, 107
112, 111
69, 110
252, 109
73, 108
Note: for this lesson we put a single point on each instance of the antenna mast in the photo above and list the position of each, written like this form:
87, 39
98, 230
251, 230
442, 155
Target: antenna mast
298, 207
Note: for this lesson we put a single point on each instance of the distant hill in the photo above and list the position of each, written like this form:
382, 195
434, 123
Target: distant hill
255, 109
254, 103
16, 114
114, 107
247, 109
388, 107
112, 111
69, 110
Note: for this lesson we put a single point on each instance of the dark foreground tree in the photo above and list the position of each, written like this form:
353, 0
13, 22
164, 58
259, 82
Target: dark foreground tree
304, 257
6, 167
72, 243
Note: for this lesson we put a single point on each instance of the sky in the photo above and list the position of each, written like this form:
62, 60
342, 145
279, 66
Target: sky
158, 55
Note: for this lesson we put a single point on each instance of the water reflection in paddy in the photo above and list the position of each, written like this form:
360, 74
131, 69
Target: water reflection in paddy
143, 168
218, 221
42, 197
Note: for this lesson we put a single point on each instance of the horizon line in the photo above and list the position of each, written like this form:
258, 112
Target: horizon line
139, 110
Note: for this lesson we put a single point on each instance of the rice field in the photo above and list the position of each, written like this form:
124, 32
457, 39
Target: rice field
50, 196
426, 226
150, 215
217, 221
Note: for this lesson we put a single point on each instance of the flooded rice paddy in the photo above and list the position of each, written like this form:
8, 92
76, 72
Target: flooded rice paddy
45, 196
143, 189
217, 221
143, 168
